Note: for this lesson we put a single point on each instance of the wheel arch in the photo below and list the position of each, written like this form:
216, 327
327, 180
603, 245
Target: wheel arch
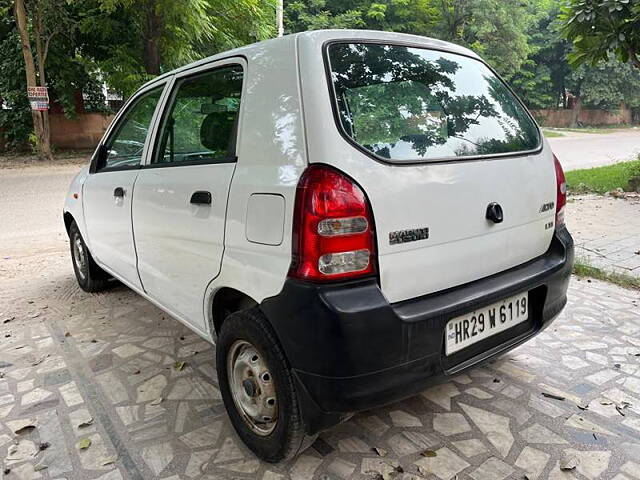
68, 220
225, 301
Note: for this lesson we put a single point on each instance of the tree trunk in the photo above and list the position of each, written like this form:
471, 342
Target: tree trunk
41, 53
575, 113
151, 40
42, 137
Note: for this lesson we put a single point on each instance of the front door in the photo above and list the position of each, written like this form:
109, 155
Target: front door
108, 190
181, 195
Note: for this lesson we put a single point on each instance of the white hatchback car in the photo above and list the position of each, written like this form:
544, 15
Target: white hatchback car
349, 216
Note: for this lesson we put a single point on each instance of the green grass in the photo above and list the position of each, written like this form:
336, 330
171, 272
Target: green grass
552, 134
583, 269
603, 179
599, 129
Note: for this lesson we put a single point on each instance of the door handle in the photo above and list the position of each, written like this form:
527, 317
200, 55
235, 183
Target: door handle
201, 197
118, 192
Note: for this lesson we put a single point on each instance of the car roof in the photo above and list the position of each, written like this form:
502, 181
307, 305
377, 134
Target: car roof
322, 36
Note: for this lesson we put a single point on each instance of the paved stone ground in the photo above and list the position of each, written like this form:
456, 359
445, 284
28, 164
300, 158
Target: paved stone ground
101, 367
606, 231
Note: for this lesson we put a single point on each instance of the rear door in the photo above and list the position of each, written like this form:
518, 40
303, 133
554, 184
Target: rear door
108, 189
181, 195
438, 143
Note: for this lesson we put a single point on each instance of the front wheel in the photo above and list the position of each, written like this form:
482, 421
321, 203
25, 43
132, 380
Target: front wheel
90, 276
257, 388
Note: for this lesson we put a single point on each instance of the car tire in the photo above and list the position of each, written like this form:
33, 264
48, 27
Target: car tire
247, 347
90, 276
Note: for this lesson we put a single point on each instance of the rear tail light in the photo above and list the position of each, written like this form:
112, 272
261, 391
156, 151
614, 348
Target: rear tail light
561, 196
333, 236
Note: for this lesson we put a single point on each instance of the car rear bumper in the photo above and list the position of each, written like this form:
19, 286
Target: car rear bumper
351, 350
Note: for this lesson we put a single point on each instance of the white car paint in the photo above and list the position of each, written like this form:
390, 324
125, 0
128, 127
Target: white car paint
286, 124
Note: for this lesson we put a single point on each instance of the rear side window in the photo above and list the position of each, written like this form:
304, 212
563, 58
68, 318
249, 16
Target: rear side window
200, 124
408, 104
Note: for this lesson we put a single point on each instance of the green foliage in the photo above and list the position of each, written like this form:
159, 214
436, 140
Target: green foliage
495, 29
600, 27
542, 79
603, 179
15, 118
608, 84
117, 34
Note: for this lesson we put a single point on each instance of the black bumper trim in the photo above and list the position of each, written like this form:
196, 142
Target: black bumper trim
351, 350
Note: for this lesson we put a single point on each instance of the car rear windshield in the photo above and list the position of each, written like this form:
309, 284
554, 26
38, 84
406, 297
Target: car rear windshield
408, 104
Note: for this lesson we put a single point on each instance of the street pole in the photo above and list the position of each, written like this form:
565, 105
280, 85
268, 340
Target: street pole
280, 17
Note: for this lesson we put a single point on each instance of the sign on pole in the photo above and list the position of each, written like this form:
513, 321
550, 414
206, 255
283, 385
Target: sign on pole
38, 98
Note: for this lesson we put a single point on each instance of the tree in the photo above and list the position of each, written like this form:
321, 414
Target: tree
132, 41
598, 28
493, 28
45, 23
543, 77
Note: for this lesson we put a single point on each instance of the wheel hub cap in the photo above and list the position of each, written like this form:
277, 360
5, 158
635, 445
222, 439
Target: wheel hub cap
79, 257
252, 387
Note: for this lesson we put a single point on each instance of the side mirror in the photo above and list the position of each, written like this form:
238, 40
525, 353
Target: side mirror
98, 159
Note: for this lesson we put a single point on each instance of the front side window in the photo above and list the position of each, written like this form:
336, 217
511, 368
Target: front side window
200, 124
408, 104
124, 148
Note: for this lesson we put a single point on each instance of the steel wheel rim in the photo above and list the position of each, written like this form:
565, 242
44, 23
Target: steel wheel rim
252, 387
79, 257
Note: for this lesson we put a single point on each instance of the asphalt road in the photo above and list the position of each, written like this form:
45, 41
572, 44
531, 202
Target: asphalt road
586, 150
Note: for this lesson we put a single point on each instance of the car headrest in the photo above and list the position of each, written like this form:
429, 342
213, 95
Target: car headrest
215, 131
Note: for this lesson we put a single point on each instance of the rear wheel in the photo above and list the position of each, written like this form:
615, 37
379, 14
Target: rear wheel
257, 388
90, 276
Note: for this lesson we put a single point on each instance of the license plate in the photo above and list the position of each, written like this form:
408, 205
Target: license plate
473, 327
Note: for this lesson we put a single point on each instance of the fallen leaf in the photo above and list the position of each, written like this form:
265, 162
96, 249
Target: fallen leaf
22, 426
84, 443
583, 406
39, 467
380, 451
568, 462
620, 408
606, 402
86, 423
429, 454
157, 401
8, 319
109, 460
551, 395
179, 365
39, 360
67, 334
